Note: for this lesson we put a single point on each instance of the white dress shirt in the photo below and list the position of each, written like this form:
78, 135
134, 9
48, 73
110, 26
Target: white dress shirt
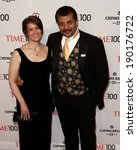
71, 43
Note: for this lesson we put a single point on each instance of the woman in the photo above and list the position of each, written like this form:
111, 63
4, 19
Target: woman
32, 62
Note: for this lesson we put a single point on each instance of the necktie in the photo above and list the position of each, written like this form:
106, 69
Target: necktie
66, 47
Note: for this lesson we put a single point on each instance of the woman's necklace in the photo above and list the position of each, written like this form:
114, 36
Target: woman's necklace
36, 52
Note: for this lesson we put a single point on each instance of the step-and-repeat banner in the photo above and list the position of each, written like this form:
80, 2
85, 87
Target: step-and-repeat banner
100, 18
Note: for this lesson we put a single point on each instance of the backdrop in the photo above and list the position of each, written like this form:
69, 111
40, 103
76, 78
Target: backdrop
100, 18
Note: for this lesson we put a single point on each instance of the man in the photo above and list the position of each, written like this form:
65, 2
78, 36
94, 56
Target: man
78, 81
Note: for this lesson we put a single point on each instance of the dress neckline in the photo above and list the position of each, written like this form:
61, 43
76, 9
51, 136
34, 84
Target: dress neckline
31, 60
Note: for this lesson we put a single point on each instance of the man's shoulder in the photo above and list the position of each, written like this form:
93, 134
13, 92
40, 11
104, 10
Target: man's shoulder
88, 35
54, 38
54, 34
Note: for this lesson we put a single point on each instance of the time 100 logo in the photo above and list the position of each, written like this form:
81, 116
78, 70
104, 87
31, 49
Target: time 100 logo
84, 17
4, 17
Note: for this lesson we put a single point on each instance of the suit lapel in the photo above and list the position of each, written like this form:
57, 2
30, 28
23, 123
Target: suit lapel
58, 42
83, 48
57, 49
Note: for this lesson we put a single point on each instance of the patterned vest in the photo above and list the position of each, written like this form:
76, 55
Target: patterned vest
68, 77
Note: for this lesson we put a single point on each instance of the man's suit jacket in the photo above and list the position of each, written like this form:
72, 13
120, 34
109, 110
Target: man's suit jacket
92, 62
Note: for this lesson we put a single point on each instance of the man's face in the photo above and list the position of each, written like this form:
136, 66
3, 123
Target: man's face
67, 25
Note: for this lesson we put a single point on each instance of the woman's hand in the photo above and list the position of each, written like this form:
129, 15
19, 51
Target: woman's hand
25, 115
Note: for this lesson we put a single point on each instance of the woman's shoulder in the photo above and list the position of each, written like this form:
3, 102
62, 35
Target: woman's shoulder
15, 52
15, 56
45, 47
24, 47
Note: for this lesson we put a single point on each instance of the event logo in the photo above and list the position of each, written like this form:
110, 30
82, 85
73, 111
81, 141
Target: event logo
4, 17
6, 128
4, 77
105, 147
110, 38
84, 17
110, 132
5, 58
116, 113
17, 144
114, 19
9, 112
60, 146
114, 79
15, 38
118, 58
111, 96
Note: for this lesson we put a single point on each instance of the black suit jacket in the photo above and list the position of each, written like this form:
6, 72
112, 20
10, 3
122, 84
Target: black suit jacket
92, 62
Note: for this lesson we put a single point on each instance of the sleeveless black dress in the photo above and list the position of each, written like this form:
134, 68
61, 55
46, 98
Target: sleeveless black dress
36, 135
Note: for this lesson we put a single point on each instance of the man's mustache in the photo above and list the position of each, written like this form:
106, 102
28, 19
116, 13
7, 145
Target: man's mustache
68, 30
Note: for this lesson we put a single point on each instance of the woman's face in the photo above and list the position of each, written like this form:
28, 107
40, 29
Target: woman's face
34, 33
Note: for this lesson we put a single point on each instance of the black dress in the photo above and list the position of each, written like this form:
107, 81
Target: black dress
36, 135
